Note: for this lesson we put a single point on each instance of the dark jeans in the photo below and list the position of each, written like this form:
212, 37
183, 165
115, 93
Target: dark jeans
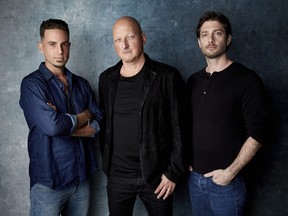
122, 194
210, 199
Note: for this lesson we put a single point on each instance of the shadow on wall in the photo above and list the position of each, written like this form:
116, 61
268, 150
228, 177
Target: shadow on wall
261, 173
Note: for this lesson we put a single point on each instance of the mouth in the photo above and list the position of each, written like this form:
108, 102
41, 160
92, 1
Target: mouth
59, 59
211, 47
126, 50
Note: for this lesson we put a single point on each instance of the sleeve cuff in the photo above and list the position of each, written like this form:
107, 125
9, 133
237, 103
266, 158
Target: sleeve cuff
95, 125
74, 121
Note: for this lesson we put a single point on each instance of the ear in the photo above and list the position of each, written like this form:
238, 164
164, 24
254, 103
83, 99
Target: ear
229, 39
144, 38
199, 44
40, 47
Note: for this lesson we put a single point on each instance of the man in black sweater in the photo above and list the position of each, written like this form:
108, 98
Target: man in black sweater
228, 116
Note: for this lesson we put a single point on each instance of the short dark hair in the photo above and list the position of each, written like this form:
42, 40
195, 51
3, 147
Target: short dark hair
214, 16
53, 24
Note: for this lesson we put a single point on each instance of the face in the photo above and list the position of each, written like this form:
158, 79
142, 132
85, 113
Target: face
128, 40
55, 47
213, 40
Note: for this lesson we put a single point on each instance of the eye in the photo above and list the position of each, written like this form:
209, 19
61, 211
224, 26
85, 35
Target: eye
117, 40
66, 44
130, 37
203, 35
218, 33
52, 44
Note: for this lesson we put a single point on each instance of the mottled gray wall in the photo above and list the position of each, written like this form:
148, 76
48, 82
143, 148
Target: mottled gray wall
260, 38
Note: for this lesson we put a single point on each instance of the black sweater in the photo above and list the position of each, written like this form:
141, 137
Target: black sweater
227, 108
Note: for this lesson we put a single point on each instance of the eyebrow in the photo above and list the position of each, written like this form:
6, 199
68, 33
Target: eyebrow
58, 42
214, 30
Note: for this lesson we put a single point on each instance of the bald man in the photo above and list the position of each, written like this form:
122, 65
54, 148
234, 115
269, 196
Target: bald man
143, 133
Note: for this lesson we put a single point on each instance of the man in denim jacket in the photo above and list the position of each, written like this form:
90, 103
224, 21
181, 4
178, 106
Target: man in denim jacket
62, 115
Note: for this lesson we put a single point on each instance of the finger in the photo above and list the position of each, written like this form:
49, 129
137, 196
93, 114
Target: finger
158, 189
209, 174
161, 193
168, 193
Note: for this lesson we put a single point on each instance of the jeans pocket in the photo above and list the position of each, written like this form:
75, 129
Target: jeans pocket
40, 187
221, 190
219, 185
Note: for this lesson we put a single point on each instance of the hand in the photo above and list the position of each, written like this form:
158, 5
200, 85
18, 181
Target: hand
220, 176
165, 188
52, 106
84, 118
190, 168
88, 114
85, 131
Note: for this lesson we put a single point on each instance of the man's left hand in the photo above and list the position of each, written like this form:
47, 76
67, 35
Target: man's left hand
220, 177
165, 188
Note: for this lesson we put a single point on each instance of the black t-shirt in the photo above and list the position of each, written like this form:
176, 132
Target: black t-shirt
126, 126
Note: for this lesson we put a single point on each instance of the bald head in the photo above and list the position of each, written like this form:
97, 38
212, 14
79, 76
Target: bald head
128, 21
129, 41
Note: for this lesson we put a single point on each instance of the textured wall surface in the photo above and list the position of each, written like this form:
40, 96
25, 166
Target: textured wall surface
260, 35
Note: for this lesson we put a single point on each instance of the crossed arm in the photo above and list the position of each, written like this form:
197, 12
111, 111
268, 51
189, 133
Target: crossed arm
83, 128
83, 124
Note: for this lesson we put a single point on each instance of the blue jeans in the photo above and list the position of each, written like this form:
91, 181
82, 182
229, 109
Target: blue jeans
210, 199
122, 194
73, 201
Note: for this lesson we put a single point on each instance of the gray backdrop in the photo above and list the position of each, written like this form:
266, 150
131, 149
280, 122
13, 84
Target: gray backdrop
260, 35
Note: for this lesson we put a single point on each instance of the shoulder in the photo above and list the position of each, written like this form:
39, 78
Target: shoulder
195, 75
33, 78
110, 71
244, 73
79, 79
242, 78
80, 84
164, 71
160, 67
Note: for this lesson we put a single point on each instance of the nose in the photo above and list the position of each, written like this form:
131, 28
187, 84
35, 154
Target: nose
59, 48
211, 38
125, 44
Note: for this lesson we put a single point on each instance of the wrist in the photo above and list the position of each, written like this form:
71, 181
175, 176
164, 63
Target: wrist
230, 173
89, 116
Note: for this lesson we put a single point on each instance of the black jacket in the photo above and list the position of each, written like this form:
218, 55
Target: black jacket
162, 120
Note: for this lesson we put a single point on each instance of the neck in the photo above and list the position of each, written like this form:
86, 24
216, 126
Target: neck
58, 72
130, 69
217, 64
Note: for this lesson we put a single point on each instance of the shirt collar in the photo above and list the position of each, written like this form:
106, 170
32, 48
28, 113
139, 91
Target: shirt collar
49, 75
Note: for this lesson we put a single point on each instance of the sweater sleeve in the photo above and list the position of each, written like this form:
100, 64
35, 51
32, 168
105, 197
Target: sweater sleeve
254, 108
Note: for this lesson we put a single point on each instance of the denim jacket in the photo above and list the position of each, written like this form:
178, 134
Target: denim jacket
57, 159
